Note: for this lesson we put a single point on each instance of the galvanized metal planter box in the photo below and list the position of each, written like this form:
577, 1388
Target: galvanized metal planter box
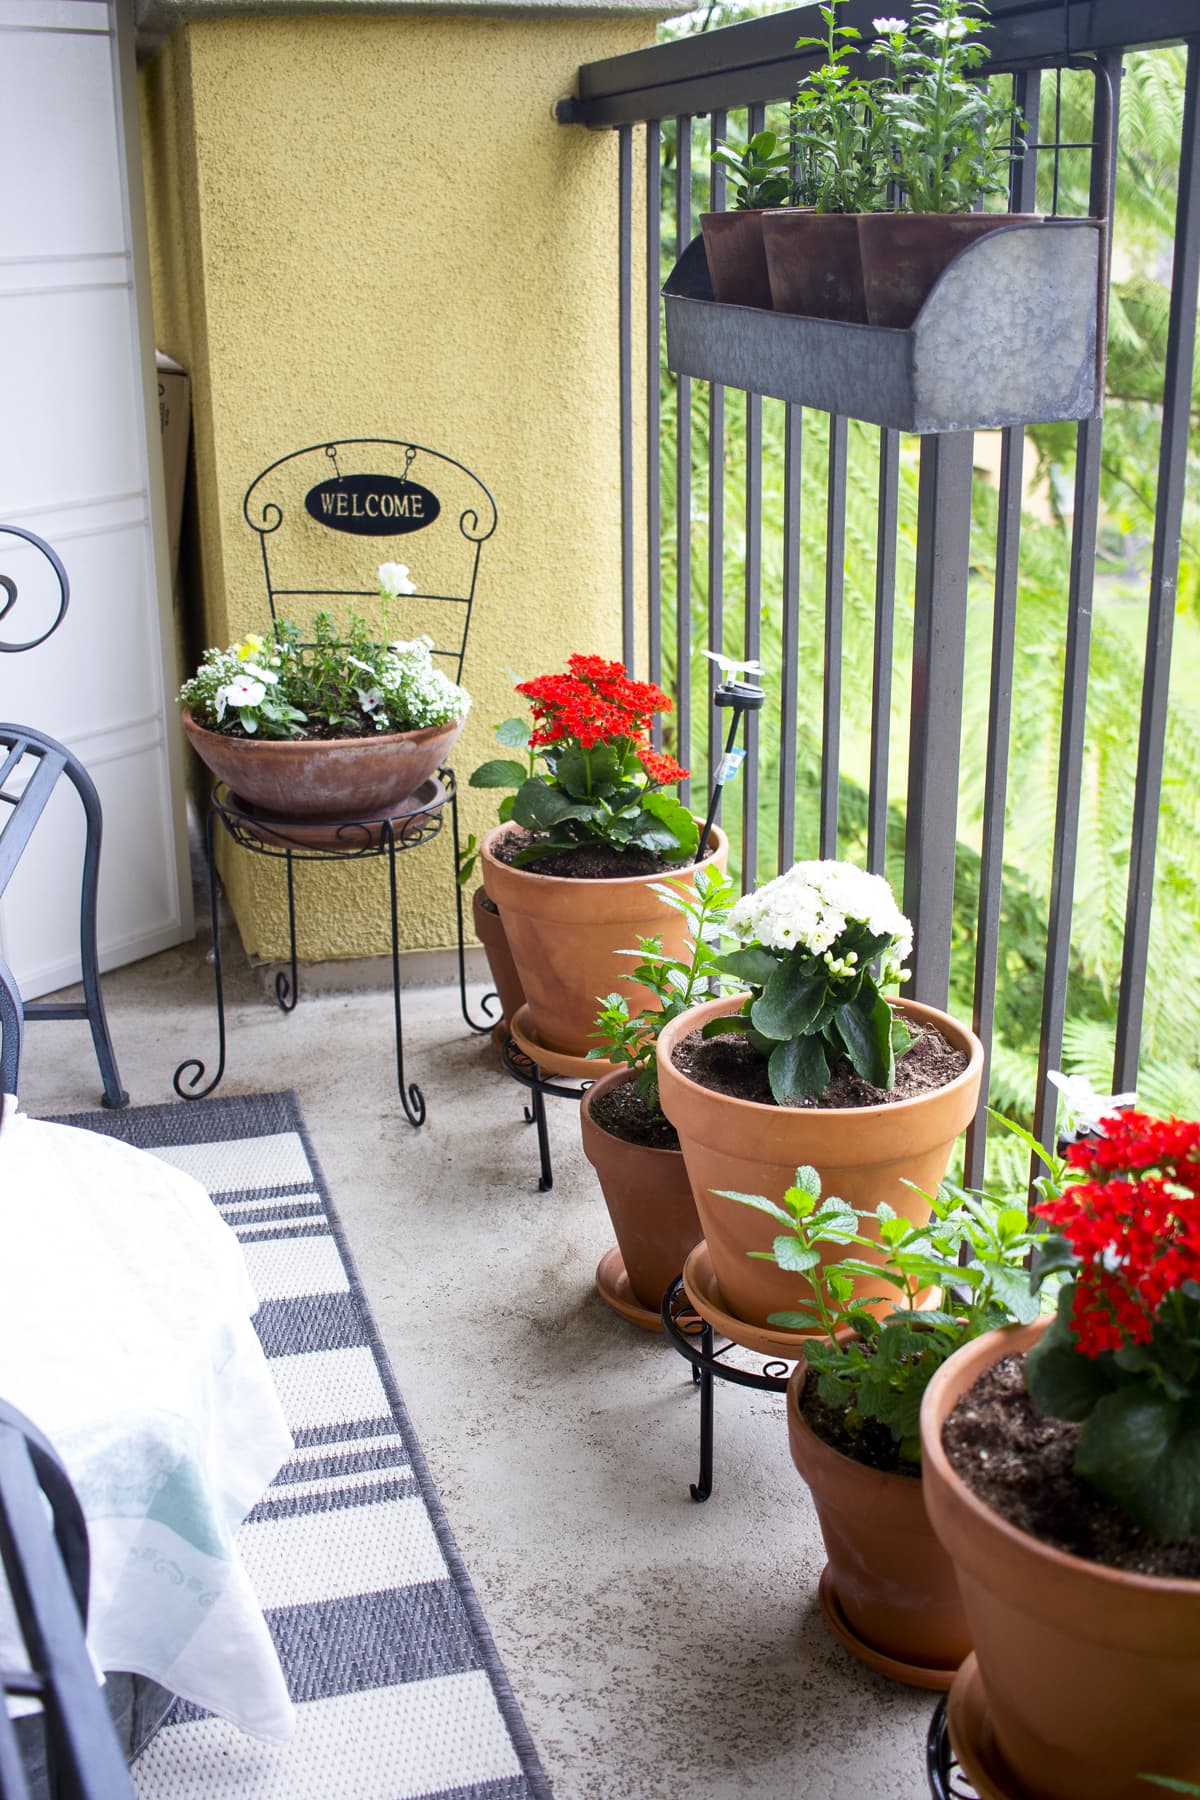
1008, 336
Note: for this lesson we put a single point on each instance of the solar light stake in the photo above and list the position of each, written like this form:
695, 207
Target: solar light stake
744, 698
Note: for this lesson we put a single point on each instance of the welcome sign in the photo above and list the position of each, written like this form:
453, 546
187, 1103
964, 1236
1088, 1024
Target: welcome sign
372, 505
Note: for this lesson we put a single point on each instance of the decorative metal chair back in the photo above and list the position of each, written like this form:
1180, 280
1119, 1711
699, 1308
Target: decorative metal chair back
31, 765
48, 1579
328, 516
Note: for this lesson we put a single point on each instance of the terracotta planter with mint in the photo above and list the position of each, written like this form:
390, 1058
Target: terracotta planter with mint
759, 174
585, 840
1065, 1485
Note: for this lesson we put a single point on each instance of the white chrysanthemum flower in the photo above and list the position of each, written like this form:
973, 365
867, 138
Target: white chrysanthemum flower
888, 27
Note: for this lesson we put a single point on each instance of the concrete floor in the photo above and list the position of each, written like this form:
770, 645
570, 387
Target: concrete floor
656, 1647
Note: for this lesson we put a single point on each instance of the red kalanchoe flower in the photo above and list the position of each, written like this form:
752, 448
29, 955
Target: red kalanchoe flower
662, 769
595, 702
1133, 1222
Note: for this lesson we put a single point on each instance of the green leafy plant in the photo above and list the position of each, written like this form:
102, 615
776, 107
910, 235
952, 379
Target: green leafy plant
759, 171
809, 941
499, 772
1122, 1358
838, 135
877, 1356
334, 681
603, 781
628, 1039
953, 140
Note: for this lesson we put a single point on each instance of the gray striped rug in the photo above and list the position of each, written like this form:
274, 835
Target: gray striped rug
398, 1687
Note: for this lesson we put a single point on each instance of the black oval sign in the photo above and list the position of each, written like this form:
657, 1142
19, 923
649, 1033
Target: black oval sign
372, 505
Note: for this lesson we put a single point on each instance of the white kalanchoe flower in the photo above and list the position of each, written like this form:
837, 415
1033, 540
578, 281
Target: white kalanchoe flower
813, 903
394, 580
1083, 1108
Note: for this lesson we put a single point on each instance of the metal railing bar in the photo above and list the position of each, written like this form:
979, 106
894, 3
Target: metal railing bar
654, 407
625, 356
1164, 573
716, 491
752, 618
881, 671
1075, 681
939, 650
683, 480
835, 594
991, 856
789, 672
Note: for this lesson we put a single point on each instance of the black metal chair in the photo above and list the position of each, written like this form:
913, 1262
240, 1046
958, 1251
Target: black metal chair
31, 767
47, 1576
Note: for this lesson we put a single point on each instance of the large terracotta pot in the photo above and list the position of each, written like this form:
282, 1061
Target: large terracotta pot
889, 1592
737, 263
489, 929
649, 1200
565, 936
324, 778
814, 264
1084, 1678
866, 1154
903, 253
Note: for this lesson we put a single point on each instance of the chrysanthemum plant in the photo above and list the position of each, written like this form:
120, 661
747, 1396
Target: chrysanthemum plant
326, 680
1122, 1358
819, 948
603, 782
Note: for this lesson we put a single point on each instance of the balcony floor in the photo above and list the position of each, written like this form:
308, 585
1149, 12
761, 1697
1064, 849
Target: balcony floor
655, 1646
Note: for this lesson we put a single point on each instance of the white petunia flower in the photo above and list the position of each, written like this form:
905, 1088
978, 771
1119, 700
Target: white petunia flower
1083, 1108
394, 580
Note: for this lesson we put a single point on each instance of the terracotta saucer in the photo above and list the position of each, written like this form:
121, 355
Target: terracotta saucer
700, 1286
612, 1285
554, 1062
972, 1741
347, 837
919, 1675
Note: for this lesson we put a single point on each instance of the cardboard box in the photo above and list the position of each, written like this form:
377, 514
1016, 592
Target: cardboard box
174, 417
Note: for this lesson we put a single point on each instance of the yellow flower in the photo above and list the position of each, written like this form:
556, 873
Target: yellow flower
252, 646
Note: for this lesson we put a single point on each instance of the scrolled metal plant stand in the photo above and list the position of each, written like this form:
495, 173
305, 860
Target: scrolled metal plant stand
521, 1067
946, 1778
351, 840
683, 1326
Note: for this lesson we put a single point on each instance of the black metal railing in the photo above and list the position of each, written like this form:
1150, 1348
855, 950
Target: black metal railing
727, 558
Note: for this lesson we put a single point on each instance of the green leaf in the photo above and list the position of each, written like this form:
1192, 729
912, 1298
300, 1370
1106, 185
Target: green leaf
791, 998
499, 773
865, 1026
735, 1021
791, 1255
675, 818
540, 808
753, 965
1061, 1382
588, 774
514, 734
798, 1070
758, 1200
1144, 1453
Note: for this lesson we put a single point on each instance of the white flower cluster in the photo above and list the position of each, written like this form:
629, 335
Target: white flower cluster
812, 905
412, 690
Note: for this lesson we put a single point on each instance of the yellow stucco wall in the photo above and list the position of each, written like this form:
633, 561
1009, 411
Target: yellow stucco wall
373, 227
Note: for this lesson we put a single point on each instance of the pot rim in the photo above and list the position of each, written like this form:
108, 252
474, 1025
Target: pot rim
191, 724
985, 1351
796, 1382
717, 838
617, 1078
679, 1028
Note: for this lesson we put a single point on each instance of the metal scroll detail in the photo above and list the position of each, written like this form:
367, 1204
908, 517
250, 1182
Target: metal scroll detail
9, 593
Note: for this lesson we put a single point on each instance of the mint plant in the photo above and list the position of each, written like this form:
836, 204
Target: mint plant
759, 171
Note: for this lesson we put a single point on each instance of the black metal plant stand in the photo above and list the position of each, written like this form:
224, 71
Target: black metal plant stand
339, 841
946, 1778
521, 1067
684, 1326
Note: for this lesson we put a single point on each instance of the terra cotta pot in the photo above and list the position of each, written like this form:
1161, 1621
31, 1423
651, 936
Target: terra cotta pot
864, 1153
737, 263
489, 929
814, 264
903, 253
565, 936
649, 1200
324, 778
1088, 1675
889, 1592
